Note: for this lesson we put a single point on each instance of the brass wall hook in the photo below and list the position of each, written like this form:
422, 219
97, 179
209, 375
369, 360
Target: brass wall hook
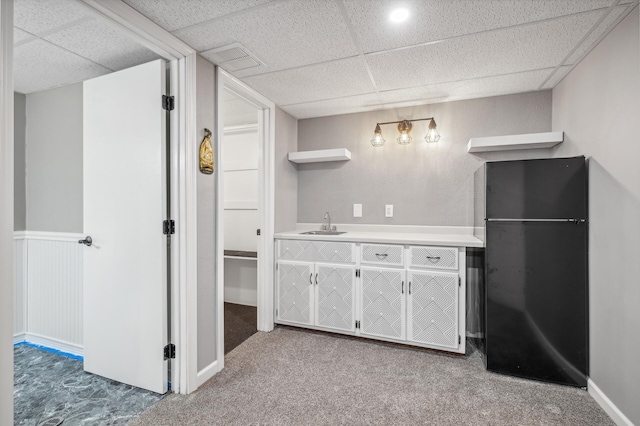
206, 154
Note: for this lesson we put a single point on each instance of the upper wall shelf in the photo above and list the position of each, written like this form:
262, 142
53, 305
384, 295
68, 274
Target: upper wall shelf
513, 142
340, 154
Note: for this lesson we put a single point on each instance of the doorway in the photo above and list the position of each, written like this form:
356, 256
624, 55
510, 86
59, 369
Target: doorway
240, 152
245, 217
51, 347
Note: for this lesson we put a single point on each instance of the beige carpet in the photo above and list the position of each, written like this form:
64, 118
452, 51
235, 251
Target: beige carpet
295, 377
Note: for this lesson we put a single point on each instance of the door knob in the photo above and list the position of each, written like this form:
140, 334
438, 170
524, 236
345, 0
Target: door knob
87, 241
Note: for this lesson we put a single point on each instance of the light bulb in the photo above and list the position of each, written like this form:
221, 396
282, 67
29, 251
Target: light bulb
404, 138
404, 127
432, 133
377, 140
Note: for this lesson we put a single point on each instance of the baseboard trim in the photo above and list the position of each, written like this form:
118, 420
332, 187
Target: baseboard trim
607, 405
206, 373
18, 338
65, 348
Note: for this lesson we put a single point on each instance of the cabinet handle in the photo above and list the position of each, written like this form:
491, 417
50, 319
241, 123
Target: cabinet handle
316, 279
409, 287
310, 277
381, 255
402, 288
433, 257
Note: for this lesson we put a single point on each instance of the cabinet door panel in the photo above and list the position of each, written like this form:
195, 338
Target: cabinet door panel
335, 296
295, 292
296, 250
334, 251
383, 303
433, 308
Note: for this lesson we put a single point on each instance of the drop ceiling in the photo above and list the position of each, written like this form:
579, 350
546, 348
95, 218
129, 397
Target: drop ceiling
327, 57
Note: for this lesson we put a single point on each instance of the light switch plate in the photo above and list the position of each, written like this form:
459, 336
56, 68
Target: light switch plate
357, 210
388, 210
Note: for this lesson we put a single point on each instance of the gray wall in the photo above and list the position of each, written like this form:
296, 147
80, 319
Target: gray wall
428, 184
598, 106
19, 163
54, 160
205, 118
286, 173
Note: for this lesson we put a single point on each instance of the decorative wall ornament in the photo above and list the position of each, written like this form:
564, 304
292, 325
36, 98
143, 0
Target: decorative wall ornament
206, 154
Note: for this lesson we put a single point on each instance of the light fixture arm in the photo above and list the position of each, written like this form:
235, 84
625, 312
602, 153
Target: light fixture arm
402, 121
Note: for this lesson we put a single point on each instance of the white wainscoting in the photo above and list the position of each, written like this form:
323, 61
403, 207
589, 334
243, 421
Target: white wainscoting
48, 296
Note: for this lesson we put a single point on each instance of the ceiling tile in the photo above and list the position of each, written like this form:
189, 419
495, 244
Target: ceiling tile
327, 107
603, 28
534, 46
20, 36
329, 80
101, 43
176, 14
487, 86
40, 65
432, 20
557, 76
40, 16
282, 35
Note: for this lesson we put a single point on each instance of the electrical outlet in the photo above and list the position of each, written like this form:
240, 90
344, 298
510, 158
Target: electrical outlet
388, 210
357, 210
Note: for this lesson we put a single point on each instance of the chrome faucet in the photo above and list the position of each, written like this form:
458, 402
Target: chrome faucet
327, 224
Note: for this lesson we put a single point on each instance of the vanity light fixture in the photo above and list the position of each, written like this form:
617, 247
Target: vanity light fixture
404, 127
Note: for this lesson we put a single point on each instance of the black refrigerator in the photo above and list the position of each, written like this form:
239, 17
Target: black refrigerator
536, 269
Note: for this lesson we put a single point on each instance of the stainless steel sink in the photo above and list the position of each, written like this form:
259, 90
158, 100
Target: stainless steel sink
323, 233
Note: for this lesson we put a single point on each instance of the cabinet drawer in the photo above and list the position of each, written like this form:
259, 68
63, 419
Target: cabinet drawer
434, 257
382, 254
296, 250
316, 251
334, 252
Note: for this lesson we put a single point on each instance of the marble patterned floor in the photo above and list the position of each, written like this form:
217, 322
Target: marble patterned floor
48, 385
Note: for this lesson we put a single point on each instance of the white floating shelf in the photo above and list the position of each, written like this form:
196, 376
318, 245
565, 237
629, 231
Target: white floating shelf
340, 154
514, 142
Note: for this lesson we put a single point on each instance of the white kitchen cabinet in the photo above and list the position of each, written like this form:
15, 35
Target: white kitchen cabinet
335, 296
432, 308
383, 303
295, 292
316, 294
407, 294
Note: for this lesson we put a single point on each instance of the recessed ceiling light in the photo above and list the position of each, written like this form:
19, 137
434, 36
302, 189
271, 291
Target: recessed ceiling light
399, 15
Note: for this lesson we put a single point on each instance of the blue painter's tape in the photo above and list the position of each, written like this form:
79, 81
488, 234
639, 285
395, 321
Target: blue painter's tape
51, 350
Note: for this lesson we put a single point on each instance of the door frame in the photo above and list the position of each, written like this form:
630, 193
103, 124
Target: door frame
182, 169
266, 203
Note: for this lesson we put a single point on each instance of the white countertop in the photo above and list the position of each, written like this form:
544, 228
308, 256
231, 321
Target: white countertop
420, 235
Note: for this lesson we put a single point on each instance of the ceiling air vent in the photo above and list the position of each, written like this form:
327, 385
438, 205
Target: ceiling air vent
234, 57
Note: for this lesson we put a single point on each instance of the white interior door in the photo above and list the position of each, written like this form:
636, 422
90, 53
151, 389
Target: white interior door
125, 282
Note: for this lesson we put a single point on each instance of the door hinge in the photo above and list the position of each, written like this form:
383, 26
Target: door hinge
277, 264
357, 324
168, 103
168, 227
258, 232
357, 273
459, 282
459, 339
276, 313
169, 351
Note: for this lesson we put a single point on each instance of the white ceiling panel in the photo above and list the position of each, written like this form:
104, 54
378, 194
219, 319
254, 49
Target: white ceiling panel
20, 36
522, 48
603, 28
282, 35
329, 80
39, 65
41, 16
345, 105
557, 76
432, 20
176, 14
487, 86
101, 43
